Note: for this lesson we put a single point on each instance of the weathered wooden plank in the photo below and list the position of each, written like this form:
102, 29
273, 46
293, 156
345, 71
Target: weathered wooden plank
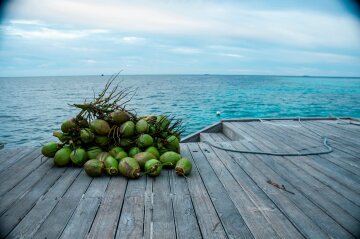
339, 156
7, 154
62, 212
347, 204
295, 210
24, 186
17, 172
132, 214
338, 207
336, 129
80, 222
231, 219
148, 211
16, 213
342, 176
22, 156
279, 222
251, 213
309, 205
162, 213
38, 214
107, 217
184, 212
336, 157
208, 219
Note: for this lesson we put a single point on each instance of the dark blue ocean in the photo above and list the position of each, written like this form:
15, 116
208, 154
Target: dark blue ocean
32, 107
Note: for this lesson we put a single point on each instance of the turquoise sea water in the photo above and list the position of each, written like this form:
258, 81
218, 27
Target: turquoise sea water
32, 107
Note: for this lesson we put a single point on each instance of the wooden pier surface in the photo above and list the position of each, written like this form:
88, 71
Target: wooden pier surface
227, 195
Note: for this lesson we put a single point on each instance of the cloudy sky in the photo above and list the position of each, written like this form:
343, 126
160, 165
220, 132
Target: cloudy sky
84, 37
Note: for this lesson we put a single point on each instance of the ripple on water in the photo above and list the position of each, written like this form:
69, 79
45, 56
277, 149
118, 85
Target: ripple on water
32, 107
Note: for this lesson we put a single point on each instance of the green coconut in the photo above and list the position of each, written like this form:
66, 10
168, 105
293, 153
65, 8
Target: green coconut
115, 150
142, 157
62, 157
162, 150
79, 156
129, 168
100, 127
154, 151
93, 152
49, 149
133, 151
83, 123
150, 119
119, 117
145, 140
102, 141
127, 129
153, 167
121, 155
111, 165
68, 125
86, 135
169, 159
163, 121
63, 137
152, 129
93, 168
142, 126
173, 144
126, 143
102, 156
183, 167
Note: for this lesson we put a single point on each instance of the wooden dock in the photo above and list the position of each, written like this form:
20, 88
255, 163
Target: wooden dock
227, 195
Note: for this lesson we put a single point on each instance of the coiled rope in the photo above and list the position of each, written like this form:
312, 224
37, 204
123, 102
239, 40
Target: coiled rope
328, 147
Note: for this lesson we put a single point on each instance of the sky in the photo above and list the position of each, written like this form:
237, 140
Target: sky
88, 37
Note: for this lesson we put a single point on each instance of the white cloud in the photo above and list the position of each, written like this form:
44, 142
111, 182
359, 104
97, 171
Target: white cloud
132, 40
292, 27
231, 55
27, 22
185, 50
88, 61
48, 33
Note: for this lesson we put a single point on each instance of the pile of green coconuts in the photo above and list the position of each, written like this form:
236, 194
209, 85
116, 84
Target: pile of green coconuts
106, 138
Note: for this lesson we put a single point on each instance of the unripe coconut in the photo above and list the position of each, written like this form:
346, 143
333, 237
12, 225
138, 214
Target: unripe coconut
61, 136
163, 121
100, 127
83, 123
102, 156
121, 155
129, 168
169, 159
86, 135
119, 117
162, 150
62, 157
93, 152
153, 151
127, 129
68, 125
183, 167
133, 151
145, 140
115, 150
111, 165
173, 144
152, 129
151, 119
79, 156
93, 168
124, 142
153, 167
49, 149
142, 157
142, 126
102, 141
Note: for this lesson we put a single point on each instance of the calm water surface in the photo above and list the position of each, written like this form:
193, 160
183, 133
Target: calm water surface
32, 107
